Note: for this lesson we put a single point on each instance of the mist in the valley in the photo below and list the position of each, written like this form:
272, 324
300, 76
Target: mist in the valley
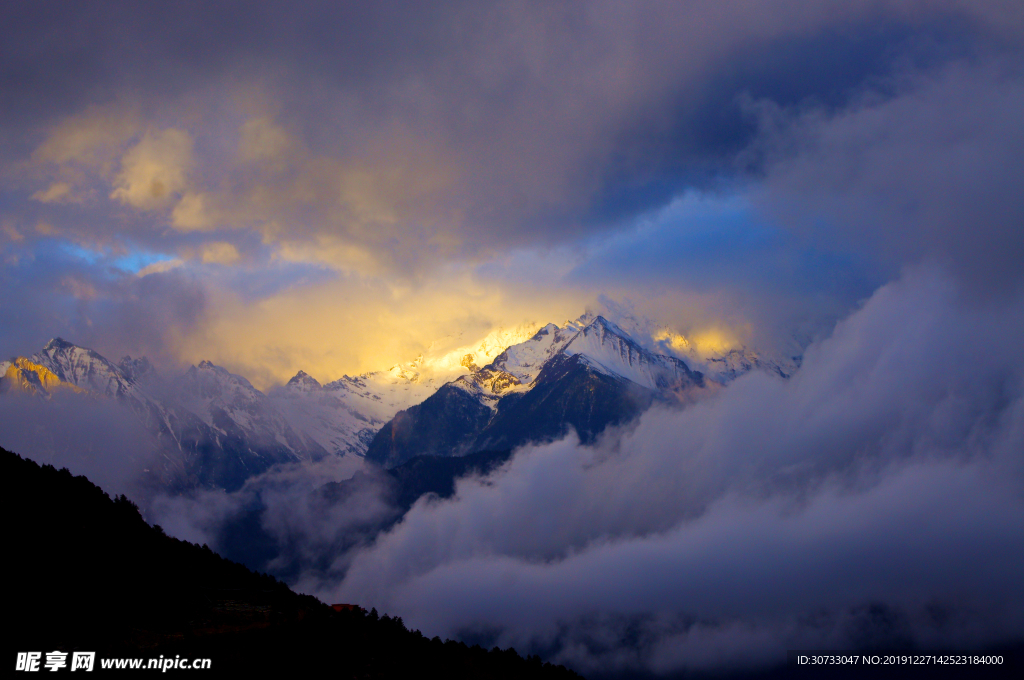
292, 519
87, 434
877, 497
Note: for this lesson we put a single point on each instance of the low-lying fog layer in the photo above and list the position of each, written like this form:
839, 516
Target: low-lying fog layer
877, 497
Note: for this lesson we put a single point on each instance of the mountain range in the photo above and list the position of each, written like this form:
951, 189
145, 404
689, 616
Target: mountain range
214, 429
211, 428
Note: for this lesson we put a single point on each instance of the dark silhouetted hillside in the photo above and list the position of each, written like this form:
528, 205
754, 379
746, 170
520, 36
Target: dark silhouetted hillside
89, 574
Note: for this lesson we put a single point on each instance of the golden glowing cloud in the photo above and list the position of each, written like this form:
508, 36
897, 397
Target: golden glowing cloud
702, 342
713, 341
380, 199
154, 171
219, 252
192, 213
90, 139
357, 324
677, 342
331, 250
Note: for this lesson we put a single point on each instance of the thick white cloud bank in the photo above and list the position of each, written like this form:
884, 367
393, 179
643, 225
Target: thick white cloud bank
876, 497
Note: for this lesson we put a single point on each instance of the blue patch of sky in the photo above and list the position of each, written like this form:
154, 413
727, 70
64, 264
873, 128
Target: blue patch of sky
264, 279
132, 261
77, 252
709, 241
268, 278
137, 260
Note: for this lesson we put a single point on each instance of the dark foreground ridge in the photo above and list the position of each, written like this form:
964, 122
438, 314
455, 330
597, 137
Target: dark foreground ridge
90, 575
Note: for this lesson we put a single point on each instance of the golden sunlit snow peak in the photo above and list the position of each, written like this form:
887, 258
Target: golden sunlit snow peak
703, 343
26, 376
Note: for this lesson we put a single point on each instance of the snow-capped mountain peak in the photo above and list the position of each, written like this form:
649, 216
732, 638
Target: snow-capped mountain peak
207, 381
715, 351
83, 368
137, 370
467, 358
524, 360
611, 350
303, 382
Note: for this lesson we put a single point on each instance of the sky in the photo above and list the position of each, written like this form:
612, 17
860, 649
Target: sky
336, 187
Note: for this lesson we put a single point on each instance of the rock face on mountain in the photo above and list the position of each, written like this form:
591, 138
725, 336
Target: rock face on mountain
583, 377
570, 392
446, 423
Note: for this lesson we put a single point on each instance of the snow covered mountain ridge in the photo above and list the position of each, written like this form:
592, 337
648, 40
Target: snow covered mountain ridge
584, 376
211, 428
593, 340
216, 428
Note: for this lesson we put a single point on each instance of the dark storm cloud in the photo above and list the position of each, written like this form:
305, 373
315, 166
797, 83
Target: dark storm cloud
464, 128
936, 172
58, 57
883, 481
